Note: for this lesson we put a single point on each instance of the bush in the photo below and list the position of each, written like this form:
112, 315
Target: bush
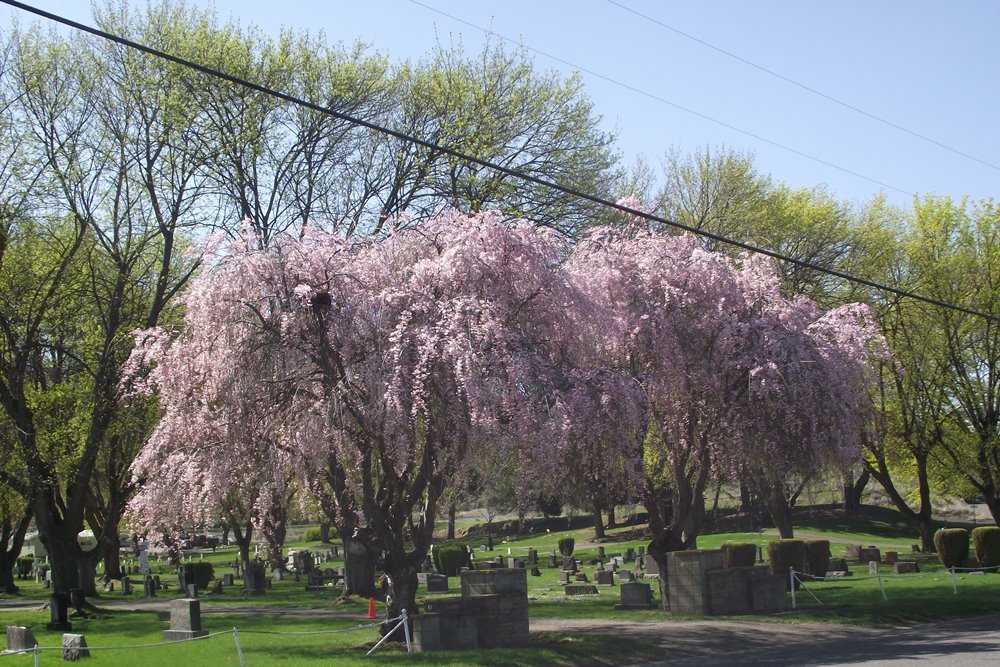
739, 554
817, 557
986, 540
23, 565
449, 559
312, 534
566, 546
952, 545
198, 573
783, 554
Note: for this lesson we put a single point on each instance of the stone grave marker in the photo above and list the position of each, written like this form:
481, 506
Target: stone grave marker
626, 575
870, 554
74, 647
630, 554
651, 568
126, 586
185, 620
149, 587
605, 577
891, 557
635, 595
642, 551
582, 576
853, 551
600, 553
20, 638
872, 567
437, 583
905, 567
580, 589
569, 563
552, 560
532, 556
535, 572
227, 579
564, 576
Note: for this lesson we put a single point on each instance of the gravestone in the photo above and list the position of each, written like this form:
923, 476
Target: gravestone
600, 553
582, 576
635, 595
126, 586
191, 590
437, 583
157, 582
227, 579
20, 638
625, 576
905, 567
605, 577
853, 551
872, 567
149, 587
564, 576
552, 560
314, 580
532, 556
652, 569
74, 647
217, 588
642, 551
278, 574
569, 563
915, 548
630, 554
581, 589
870, 554
185, 620
59, 608
535, 572
891, 557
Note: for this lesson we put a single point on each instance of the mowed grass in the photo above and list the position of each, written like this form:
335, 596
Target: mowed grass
289, 608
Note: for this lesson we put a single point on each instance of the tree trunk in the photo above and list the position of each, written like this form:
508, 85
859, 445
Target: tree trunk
611, 516
853, 489
451, 520
324, 532
359, 568
402, 595
113, 560
920, 519
598, 522
87, 565
60, 541
11, 541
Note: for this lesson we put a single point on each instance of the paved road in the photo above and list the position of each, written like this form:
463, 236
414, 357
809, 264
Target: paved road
961, 643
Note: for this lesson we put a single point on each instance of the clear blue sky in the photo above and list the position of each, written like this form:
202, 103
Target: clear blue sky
931, 67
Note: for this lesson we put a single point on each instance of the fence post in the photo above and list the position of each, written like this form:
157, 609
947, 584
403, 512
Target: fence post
954, 581
791, 583
239, 649
406, 631
37, 655
878, 576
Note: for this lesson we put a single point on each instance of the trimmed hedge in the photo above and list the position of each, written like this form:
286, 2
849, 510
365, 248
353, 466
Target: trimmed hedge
566, 546
739, 554
449, 559
986, 540
312, 534
23, 565
783, 554
817, 557
952, 545
199, 573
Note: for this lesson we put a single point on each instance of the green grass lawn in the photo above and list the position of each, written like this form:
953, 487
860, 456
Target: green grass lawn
856, 600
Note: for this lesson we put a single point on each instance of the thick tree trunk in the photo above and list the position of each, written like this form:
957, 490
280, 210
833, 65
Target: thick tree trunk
87, 565
60, 541
11, 540
402, 595
853, 489
113, 560
324, 532
451, 520
920, 518
598, 521
612, 522
359, 568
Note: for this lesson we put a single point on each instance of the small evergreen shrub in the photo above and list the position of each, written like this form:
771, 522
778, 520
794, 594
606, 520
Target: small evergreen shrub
952, 545
312, 534
986, 540
782, 554
198, 573
739, 554
23, 565
817, 557
566, 546
449, 559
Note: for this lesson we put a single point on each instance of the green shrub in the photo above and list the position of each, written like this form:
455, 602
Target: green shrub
817, 557
783, 554
739, 554
449, 559
952, 545
23, 565
199, 573
312, 534
566, 546
986, 540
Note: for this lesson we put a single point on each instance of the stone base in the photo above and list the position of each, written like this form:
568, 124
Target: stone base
177, 635
59, 625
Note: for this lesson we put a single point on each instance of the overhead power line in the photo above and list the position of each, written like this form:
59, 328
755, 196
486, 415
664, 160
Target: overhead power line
799, 84
486, 163
670, 103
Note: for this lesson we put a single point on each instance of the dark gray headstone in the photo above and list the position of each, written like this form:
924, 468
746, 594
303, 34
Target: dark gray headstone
635, 595
185, 620
59, 608
580, 589
604, 577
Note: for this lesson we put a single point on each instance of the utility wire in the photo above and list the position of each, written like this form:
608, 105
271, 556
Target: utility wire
486, 163
806, 88
664, 100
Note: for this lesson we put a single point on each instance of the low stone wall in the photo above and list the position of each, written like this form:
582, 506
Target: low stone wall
492, 613
699, 585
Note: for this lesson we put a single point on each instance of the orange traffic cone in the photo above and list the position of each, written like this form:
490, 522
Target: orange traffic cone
371, 608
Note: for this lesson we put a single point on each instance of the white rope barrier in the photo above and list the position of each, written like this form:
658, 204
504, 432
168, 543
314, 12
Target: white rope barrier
880, 578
